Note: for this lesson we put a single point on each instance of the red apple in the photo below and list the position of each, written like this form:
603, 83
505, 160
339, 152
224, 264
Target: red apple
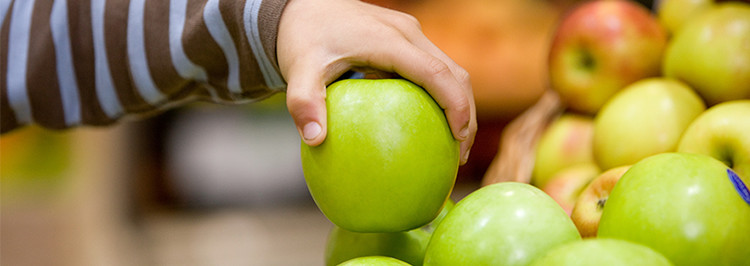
566, 185
601, 47
566, 142
590, 204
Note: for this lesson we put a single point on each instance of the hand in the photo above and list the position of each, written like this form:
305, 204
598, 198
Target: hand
318, 41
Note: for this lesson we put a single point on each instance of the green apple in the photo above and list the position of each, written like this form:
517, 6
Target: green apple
504, 223
374, 261
447, 207
674, 13
602, 46
722, 132
409, 246
588, 208
389, 160
690, 207
566, 142
565, 186
601, 251
646, 118
712, 55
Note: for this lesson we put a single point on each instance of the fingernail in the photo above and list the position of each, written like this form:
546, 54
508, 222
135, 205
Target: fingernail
466, 157
311, 130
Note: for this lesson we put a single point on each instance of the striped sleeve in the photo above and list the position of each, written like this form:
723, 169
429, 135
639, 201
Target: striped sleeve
65, 63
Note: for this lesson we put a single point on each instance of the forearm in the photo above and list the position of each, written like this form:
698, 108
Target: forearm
67, 63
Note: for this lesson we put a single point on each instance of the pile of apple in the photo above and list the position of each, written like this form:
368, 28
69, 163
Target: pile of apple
654, 146
647, 166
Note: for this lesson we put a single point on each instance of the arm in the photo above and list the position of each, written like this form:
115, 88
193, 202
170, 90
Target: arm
65, 63
69, 62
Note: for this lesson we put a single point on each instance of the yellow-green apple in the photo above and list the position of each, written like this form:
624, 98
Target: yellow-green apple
602, 251
690, 207
601, 47
505, 223
722, 132
389, 160
712, 55
565, 186
566, 142
673, 14
344, 245
408, 246
588, 208
646, 118
374, 261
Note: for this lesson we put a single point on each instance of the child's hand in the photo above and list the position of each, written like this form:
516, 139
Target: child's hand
320, 40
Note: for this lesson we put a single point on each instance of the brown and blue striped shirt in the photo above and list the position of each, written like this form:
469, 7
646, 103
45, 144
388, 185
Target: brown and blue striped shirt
66, 63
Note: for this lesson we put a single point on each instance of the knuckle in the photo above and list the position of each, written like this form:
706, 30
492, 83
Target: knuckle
462, 107
436, 67
412, 20
299, 104
407, 20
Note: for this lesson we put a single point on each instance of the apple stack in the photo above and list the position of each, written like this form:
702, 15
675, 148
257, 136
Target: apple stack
647, 165
653, 146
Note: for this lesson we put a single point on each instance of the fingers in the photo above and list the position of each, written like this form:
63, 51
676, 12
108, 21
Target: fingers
305, 100
463, 79
438, 78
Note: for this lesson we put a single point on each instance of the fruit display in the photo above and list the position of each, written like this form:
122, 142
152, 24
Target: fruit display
648, 163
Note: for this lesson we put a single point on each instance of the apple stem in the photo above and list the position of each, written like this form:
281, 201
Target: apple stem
600, 204
586, 59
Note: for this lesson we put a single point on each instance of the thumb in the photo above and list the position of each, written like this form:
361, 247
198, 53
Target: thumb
305, 99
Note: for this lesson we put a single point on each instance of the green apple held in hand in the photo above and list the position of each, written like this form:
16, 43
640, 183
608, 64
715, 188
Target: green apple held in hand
500, 224
566, 142
722, 132
374, 261
567, 184
601, 47
389, 160
646, 118
587, 210
711, 53
408, 246
602, 251
689, 207
674, 13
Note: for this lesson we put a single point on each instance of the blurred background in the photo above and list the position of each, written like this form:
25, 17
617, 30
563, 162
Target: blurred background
207, 184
